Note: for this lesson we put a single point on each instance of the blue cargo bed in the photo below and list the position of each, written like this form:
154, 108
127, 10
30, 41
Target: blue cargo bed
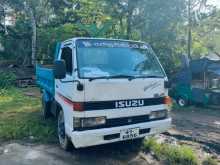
45, 79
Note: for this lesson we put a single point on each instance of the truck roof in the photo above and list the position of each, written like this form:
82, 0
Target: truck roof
110, 39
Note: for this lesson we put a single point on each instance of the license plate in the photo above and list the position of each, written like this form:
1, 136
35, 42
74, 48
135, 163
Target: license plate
129, 133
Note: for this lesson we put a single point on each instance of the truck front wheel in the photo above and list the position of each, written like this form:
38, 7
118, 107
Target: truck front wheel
65, 143
46, 108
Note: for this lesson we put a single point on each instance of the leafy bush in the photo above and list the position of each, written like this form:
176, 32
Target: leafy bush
173, 155
7, 79
3, 91
210, 161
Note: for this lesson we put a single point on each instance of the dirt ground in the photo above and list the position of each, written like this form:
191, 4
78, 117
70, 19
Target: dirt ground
196, 127
201, 125
39, 154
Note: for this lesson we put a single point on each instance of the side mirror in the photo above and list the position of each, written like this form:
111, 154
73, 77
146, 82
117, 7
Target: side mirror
167, 84
59, 69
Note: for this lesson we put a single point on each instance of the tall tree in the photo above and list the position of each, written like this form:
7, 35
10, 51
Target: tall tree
29, 8
194, 10
3, 18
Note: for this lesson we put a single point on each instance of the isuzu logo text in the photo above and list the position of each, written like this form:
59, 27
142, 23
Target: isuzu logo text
129, 103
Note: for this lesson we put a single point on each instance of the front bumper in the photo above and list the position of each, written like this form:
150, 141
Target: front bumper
82, 139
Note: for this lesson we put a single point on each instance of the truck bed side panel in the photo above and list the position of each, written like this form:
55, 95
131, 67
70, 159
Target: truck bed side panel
45, 79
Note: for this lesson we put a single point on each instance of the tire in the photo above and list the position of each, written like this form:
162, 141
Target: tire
46, 109
182, 102
64, 141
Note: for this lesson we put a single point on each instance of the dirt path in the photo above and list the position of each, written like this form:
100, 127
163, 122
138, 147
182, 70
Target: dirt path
198, 124
27, 154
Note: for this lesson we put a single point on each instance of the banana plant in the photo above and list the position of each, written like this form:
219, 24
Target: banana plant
96, 31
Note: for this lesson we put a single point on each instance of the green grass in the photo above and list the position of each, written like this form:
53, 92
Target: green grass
20, 118
210, 161
172, 155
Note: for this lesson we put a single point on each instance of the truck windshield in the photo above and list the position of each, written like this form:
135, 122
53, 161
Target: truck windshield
115, 59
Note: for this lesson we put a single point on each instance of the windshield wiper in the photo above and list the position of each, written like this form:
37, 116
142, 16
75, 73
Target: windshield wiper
124, 76
102, 77
112, 77
153, 76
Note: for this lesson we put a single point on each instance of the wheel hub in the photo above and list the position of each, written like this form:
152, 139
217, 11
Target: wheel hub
181, 102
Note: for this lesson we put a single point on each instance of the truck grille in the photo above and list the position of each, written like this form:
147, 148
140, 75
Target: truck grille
126, 121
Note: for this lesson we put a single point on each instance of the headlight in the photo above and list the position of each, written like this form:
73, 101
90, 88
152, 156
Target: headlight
88, 122
158, 114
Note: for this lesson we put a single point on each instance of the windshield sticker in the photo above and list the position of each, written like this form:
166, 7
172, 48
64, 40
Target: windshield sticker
87, 44
110, 44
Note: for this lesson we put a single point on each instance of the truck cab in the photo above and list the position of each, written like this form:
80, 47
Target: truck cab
104, 91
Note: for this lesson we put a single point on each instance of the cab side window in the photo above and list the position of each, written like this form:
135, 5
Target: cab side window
67, 57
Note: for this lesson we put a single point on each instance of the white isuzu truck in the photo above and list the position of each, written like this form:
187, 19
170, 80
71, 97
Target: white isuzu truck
104, 91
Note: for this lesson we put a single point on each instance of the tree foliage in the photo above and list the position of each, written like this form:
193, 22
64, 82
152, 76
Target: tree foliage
163, 24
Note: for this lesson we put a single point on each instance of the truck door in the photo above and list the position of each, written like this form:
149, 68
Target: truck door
62, 87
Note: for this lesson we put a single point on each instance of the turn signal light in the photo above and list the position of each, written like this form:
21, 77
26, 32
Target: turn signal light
167, 100
78, 107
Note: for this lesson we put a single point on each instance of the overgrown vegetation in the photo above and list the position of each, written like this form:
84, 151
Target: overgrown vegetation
36, 26
172, 155
210, 161
20, 118
7, 79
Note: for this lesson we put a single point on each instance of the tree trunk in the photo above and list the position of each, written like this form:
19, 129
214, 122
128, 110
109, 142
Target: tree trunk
189, 45
122, 34
129, 19
33, 38
30, 12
